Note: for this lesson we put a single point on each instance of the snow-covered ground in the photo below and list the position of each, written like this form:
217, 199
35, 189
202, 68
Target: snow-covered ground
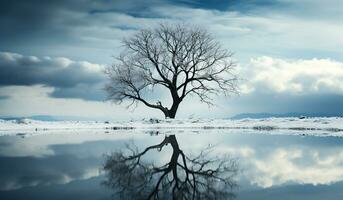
308, 126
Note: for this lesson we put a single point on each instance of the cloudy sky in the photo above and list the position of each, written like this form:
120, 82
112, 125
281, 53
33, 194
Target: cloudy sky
53, 53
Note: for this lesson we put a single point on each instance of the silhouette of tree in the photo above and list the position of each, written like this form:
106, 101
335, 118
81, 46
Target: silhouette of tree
181, 178
184, 60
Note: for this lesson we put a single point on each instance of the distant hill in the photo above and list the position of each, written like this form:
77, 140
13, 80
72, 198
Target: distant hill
46, 118
268, 115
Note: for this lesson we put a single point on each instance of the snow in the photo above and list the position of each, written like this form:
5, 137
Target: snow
309, 126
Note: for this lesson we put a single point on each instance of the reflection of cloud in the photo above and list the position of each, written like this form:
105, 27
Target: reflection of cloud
45, 171
266, 160
57, 159
281, 167
42, 146
290, 165
269, 161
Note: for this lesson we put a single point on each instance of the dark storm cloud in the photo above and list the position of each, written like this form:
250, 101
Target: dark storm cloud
71, 79
78, 29
81, 91
25, 18
34, 15
16, 69
233, 5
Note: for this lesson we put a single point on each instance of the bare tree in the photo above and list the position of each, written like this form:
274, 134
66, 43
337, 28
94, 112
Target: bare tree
182, 178
185, 60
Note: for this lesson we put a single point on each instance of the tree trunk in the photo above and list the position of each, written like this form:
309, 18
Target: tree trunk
171, 113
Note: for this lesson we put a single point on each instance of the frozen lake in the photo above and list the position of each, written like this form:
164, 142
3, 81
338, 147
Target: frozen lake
69, 166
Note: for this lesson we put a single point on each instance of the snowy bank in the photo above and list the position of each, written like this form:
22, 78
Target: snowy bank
325, 126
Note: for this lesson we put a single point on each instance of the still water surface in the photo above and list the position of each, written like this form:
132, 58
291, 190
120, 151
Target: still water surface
70, 166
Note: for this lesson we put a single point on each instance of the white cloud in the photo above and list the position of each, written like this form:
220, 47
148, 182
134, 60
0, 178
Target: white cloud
267, 74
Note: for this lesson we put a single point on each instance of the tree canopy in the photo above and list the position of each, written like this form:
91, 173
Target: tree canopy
185, 60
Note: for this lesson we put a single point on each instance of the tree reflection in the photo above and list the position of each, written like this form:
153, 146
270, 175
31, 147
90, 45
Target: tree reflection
181, 178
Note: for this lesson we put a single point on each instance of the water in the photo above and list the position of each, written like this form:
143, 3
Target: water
70, 166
